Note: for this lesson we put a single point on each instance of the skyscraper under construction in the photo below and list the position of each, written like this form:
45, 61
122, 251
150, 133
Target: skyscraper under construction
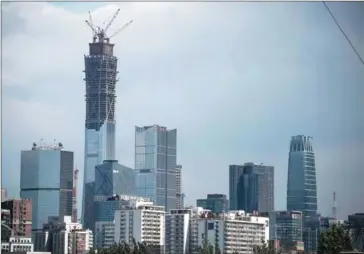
100, 77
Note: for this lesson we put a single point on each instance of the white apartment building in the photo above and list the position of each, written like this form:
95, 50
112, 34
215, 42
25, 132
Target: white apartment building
104, 234
235, 231
18, 244
62, 236
142, 221
182, 230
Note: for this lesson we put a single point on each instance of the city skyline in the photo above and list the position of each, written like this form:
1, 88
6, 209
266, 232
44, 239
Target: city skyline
240, 97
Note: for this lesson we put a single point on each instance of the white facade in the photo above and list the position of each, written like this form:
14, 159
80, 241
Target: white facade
67, 237
18, 244
104, 234
142, 221
234, 231
182, 230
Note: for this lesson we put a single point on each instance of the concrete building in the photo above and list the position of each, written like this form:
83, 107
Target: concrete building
179, 194
302, 188
356, 225
182, 230
62, 236
47, 179
142, 221
15, 244
217, 203
19, 217
4, 194
105, 215
155, 164
235, 231
286, 227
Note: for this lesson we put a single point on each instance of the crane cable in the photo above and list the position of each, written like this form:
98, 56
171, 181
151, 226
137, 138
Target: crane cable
343, 32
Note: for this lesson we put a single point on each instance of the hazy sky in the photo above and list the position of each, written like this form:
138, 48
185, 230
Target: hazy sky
236, 79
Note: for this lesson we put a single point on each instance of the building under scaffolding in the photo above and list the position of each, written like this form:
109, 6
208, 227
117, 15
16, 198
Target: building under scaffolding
100, 77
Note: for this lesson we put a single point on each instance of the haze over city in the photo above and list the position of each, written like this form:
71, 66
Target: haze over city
236, 80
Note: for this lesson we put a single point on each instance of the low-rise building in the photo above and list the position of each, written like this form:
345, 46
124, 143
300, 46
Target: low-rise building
141, 221
15, 244
235, 231
217, 203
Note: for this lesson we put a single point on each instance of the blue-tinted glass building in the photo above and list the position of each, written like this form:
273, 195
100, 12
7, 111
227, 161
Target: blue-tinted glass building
100, 78
235, 171
155, 164
248, 191
302, 188
46, 177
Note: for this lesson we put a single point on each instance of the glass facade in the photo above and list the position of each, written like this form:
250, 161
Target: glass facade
155, 164
217, 203
302, 189
47, 179
255, 188
235, 171
100, 78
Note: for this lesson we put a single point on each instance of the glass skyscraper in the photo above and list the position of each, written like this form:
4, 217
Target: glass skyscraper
46, 177
155, 164
302, 187
252, 187
100, 78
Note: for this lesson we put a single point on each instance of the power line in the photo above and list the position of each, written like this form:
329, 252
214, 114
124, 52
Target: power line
342, 31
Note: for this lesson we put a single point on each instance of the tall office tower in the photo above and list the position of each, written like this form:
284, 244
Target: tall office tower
216, 203
46, 178
100, 78
111, 179
20, 216
235, 171
143, 222
255, 188
179, 194
4, 194
155, 164
301, 188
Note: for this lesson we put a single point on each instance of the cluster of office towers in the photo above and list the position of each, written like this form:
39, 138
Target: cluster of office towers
156, 174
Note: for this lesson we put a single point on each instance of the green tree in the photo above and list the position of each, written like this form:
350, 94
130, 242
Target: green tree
334, 240
124, 248
265, 248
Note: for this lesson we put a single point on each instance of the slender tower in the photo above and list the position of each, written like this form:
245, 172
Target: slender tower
334, 215
100, 77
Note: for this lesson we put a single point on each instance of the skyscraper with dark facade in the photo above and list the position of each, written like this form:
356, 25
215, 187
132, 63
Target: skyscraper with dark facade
302, 187
100, 78
254, 187
46, 178
235, 171
155, 164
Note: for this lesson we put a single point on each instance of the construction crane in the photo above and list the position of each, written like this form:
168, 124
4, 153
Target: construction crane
99, 33
74, 196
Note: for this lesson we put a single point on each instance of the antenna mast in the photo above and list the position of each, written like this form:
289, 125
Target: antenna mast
334, 205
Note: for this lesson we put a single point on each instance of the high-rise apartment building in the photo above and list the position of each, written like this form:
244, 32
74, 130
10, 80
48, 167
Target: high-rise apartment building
235, 171
62, 236
182, 230
216, 203
143, 222
100, 78
19, 216
46, 179
179, 194
251, 187
302, 189
233, 232
155, 164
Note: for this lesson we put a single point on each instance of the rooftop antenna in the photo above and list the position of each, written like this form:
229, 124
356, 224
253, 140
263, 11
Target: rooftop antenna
334, 205
99, 33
